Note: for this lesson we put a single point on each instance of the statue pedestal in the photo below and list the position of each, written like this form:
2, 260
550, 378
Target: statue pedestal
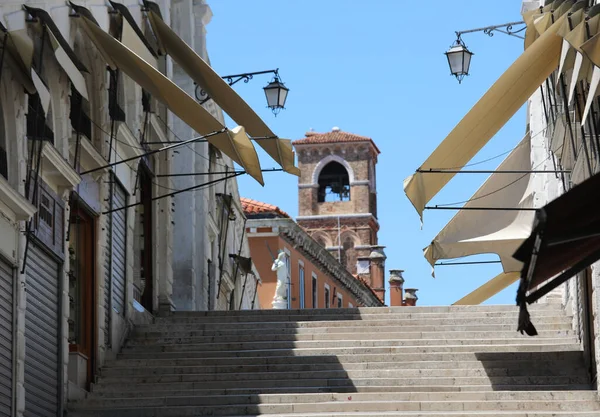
279, 305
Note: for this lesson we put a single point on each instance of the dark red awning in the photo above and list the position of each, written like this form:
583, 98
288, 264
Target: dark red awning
565, 240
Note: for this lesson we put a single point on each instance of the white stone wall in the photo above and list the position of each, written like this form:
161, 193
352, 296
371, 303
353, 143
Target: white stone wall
572, 295
14, 107
197, 227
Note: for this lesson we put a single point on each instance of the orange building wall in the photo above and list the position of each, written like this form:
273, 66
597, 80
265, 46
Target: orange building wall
263, 261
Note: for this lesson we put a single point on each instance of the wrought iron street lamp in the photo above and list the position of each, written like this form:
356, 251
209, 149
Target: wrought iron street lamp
459, 59
276, 92
459, 56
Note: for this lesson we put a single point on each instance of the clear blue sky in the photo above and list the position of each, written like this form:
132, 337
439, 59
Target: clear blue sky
377, 69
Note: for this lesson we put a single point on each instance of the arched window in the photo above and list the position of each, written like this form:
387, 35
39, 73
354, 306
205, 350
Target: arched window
334, 183
3, 147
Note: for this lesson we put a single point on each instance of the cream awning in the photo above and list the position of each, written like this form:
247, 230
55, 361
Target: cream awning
472, 232
133, 37
539, 19
591, 49
19, 47
233, 143
489, 289
576, 38
65, 56
488, 115
219, 91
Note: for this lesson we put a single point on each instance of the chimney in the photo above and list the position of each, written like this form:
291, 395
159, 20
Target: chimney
411, 296
378, 258
396, 284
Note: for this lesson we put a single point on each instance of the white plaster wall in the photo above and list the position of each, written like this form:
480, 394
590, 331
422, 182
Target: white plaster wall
197, 214
15, 104
571, 294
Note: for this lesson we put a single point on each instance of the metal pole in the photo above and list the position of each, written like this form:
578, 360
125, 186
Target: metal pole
456, 171
481, 208
164, 148
467, 263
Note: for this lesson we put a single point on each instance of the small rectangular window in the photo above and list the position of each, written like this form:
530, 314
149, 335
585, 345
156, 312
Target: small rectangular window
327, 299
301, 285
314, 291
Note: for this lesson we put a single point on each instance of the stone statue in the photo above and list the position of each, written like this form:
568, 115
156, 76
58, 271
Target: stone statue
280, 298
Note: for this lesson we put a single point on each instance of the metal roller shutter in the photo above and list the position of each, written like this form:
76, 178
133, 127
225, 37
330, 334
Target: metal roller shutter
119, 247
6, 339
42, 335
108, 273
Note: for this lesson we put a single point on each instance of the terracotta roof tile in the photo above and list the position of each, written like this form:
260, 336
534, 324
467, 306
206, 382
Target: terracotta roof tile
335, 136
253, 208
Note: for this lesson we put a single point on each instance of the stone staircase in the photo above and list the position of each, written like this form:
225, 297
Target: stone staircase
407, 361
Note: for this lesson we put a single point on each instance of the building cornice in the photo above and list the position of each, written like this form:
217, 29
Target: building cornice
336, 216
57, 169
22, 209
291, 231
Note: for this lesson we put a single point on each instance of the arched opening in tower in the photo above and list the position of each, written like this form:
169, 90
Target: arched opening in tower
334, 183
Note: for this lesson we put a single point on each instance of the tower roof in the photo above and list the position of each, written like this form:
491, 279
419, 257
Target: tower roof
335, 136
257, 209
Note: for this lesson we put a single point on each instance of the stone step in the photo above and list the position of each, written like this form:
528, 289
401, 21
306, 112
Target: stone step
99, 400
347, 329
525, 354
170, 390
331, 316
186, 382
182, 344
188, 406
118, 368
379, 321
197, 337
373, 310
149, 376
193, 351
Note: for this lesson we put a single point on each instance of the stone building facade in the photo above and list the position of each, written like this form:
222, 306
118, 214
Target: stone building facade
315, 277
551, 149
210, 221
87, 219
337, 197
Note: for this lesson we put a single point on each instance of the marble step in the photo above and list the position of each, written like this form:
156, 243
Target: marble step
187, 382
574, 354
379, 321
505, 308
182, 344
99, 398
329, 315
118, 368
192, 351
472, 327
189, 406
150, 377
169, 390
197, 337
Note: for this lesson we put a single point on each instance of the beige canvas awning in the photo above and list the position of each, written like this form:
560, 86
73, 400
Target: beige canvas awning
591, 49
571, 41
66, 57
219, 91
489, 114
489, 289
472, 232
133, 37
19, 48
234, 144
576, 38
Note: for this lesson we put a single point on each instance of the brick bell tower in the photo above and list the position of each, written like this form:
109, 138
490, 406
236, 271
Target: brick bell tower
337, 198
